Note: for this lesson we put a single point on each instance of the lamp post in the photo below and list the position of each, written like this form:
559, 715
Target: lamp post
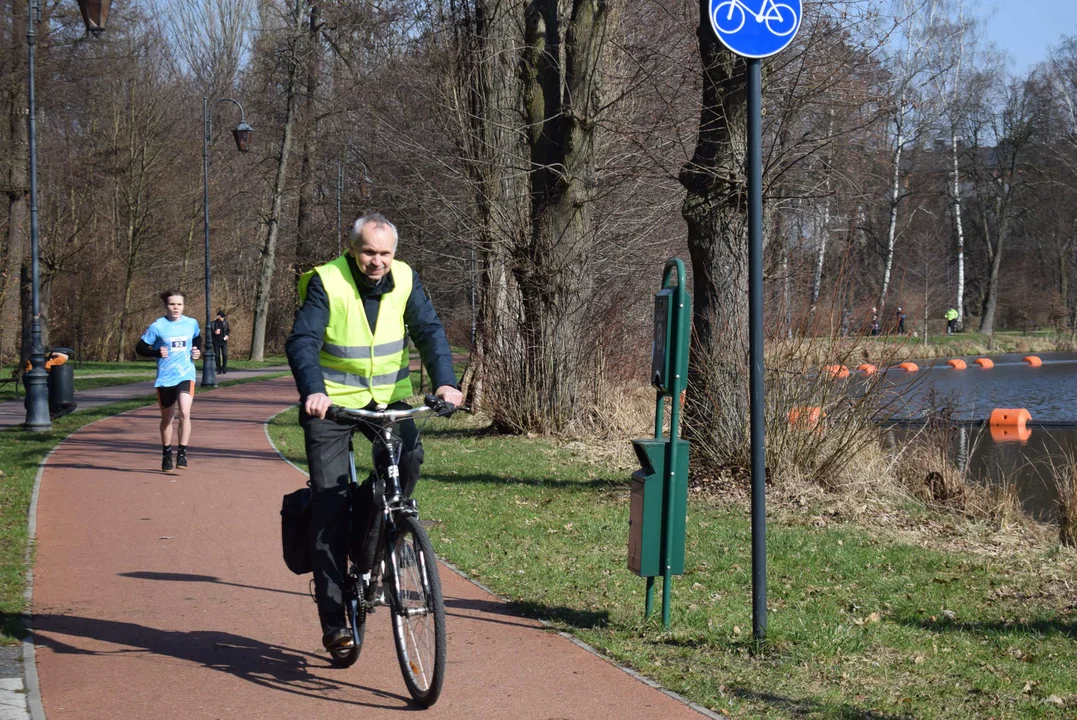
242, 135
94, 14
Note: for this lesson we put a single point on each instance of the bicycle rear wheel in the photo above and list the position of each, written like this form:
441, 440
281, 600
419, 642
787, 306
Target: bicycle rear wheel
418, 612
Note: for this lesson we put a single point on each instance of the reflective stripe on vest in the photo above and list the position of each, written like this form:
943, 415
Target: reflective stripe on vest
343, 378
359, 365
362, 352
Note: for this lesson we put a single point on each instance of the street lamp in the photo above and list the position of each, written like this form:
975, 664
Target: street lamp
242, 135
94, 14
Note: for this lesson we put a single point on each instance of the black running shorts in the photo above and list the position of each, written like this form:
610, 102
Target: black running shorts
166, 396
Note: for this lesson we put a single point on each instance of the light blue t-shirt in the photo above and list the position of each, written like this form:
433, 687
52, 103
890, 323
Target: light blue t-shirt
178, 336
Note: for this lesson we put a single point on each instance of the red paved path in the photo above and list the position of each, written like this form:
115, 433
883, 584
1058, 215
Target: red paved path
160, 596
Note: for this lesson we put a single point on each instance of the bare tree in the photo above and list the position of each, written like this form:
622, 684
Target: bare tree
909, 111
1002, 136
15, 161
294, 39
212, 48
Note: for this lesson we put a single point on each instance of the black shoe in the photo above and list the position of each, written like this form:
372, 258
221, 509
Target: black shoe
166, 462
181, 461
338, 639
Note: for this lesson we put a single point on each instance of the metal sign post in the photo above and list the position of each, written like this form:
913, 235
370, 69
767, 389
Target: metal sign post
659, 498
754, 35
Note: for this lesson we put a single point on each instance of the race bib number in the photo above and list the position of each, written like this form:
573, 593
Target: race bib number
177, 344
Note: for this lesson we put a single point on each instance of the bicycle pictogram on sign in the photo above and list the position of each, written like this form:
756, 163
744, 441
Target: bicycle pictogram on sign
755, 33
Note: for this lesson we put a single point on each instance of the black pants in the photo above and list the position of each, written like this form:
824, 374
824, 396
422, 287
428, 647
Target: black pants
220, 355
327, 456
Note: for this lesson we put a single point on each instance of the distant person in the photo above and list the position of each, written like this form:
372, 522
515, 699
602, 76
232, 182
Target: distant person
172, 340
874, 321
846, 316
900, 317
951, 321
219, 328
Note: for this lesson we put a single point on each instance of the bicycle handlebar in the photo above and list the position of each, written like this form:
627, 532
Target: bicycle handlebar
342, 415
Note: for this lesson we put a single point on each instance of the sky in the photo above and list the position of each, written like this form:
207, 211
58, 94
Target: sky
1026, 28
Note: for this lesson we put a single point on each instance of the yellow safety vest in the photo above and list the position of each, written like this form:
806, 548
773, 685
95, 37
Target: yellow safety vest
360, 365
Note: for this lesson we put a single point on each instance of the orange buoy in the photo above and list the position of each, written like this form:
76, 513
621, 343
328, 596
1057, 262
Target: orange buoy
1010, 433
805, 416
908, 367
1033, 360
957, 364
985, 362
837, 371
1009, 417
867, 368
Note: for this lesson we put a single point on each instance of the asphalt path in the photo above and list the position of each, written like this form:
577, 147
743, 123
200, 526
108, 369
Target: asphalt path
165, 596
13, 412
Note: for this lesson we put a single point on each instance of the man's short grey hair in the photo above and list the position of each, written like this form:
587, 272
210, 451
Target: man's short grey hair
376, 219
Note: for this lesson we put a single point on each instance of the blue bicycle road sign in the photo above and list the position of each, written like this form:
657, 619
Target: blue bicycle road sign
755, 28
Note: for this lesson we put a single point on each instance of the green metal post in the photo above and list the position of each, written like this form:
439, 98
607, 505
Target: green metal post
659, 411
675, 386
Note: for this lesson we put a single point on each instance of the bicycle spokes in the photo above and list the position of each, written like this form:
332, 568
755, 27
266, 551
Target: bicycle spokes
415, 627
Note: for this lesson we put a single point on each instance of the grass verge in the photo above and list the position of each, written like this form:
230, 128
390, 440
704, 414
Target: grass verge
859, 625
20, 454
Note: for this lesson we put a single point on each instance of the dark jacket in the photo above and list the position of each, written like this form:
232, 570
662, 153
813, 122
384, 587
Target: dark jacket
423, 326
221, 325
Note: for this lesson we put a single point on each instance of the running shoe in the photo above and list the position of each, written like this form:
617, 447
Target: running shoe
166, 462
181, 461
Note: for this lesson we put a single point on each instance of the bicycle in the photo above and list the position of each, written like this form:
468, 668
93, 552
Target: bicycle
737, 15
406, 576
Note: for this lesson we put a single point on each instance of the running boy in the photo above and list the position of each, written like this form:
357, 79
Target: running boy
171, 339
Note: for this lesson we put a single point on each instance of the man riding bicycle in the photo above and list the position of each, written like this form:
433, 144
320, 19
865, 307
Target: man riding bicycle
348, 347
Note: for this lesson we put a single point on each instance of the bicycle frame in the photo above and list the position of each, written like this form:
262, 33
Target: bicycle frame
391, 498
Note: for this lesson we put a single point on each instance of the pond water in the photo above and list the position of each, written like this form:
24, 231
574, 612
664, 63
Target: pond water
1048, 392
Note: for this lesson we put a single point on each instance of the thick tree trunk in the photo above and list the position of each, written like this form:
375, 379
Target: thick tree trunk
17, 235
554, 269
496, 154
125, 312
715, 208
267, 261
990, 300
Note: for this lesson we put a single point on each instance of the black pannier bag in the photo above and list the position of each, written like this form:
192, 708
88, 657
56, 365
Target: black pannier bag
295, 531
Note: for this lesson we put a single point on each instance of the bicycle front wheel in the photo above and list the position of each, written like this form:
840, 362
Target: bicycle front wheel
418, 612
